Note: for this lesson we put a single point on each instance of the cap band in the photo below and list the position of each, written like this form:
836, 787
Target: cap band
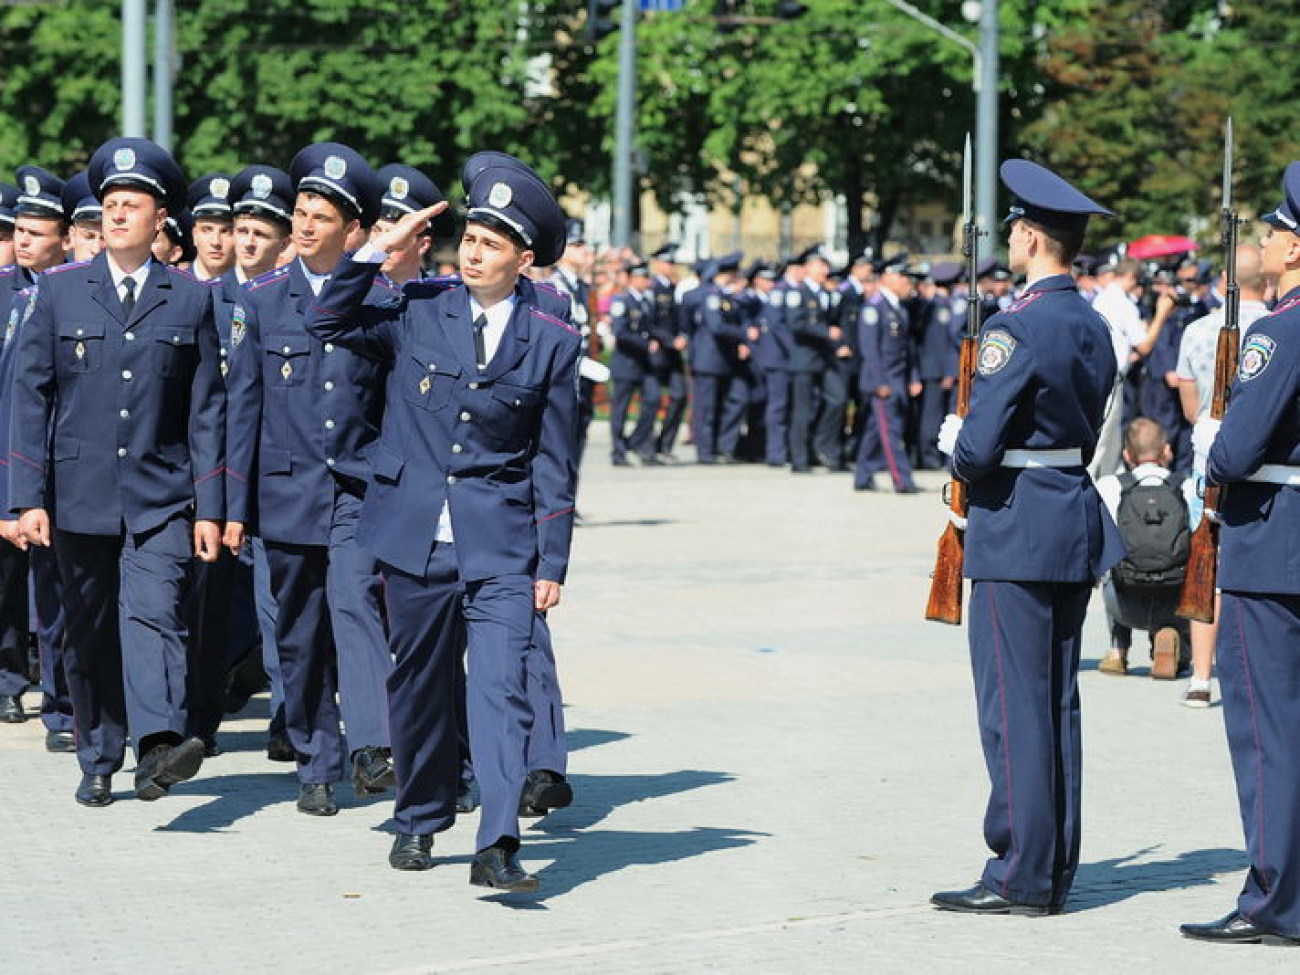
134, 179
331, 189
253, 208
479, 213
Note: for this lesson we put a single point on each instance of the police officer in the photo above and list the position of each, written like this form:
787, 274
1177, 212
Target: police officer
1257, 452
1038, 538
671, 361
213, 228
405, 190
470, 506
717, 349
119, 359
8, 200
812, 355
634, 366
887, 379
775, 352
303, 416
938, 355
40, 238
86, 217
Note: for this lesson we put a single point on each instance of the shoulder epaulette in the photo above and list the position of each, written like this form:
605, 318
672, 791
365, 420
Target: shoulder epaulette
71, 266
1023, 302
190, 276
554, 321
547, 286
8, 269
270, 277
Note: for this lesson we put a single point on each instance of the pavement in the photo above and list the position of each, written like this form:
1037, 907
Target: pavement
775, 759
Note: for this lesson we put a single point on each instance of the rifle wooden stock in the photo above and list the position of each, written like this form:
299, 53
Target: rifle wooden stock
1196, 602
944, 604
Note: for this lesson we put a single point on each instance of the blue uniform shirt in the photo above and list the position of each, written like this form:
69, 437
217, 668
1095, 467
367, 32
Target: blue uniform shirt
1259, 550
1046, 368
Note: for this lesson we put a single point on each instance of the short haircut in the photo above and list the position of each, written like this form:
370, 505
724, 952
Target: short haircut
1062, 246
1145, 440
1128, 265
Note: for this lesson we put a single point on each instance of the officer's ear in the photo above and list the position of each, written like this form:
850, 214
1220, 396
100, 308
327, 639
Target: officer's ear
526, 259
159, 219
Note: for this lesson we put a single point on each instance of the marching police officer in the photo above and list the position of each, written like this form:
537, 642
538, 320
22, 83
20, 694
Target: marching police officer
119, 360
807, 320
86, 217
717, 348
1038, 538
303, 415
470, 506
938, 352
212, 226
670, 364
1257, 452
405, 190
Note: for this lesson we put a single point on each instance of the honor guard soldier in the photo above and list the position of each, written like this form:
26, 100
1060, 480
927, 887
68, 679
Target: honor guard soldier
304, 415
634, 368
8, 200
40, 238
671, 361
717, 348
405, 190
887, 380
1038, 538
1257, 454
118, 421
470, 507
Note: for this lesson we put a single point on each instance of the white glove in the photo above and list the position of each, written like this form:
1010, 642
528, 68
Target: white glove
956, 520
1204, 434
948, 433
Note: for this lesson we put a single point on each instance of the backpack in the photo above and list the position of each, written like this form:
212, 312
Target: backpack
1154, 521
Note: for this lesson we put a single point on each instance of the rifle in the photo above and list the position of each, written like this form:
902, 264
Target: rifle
1197, 599
944, 605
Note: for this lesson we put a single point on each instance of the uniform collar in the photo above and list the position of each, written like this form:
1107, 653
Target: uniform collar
1054, 282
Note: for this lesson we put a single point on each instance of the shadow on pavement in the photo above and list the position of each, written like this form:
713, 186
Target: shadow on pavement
629, 523
238, 796
592, 737
1111, 881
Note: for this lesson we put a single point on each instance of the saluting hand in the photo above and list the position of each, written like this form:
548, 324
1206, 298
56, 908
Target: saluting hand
403, 233
207, 540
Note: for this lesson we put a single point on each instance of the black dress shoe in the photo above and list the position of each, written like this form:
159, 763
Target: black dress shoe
620, 462
11, 709
60, 741
650, 460
316, 799
411, 852
278, 748
800, 469
372, 770
909, 489
210, 747
980, 900
1233, 929
95, 790
869, 486
543, 791
467, 797
164, 765
499, 868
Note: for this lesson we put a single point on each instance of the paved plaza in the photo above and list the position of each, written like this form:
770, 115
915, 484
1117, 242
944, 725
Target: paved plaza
775, 760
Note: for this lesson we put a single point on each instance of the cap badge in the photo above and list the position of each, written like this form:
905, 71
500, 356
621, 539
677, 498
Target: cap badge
399, 188
124, 159
336, 167
500, 196
261, 186
219, 187
32, 185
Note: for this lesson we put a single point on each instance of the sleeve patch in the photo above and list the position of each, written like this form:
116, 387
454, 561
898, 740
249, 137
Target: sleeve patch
238, 325
792, 299
996, 349
1255, 357
871, 315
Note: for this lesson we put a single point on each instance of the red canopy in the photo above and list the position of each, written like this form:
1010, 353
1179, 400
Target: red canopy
1159, 245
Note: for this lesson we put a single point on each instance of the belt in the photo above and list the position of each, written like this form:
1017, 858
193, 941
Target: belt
1277, 474
1063, 457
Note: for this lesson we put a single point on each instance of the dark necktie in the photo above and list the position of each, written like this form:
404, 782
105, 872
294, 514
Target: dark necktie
480, 348
128, 296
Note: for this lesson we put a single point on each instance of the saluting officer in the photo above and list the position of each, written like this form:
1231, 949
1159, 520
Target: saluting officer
470, 506
405, 189
119, 414
303, 417
1038, 538
1257, 452
634, 367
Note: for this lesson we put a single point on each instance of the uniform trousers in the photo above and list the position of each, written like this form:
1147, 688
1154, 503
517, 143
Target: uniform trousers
642, 439
223, 629
47, 609
776, 416
882, 440
675, 380
432, 618
805, 388
330, 639
934, 406
266, 617
1258, 656
15, 675
125, 637
719, 410
1024, 643
828, 436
